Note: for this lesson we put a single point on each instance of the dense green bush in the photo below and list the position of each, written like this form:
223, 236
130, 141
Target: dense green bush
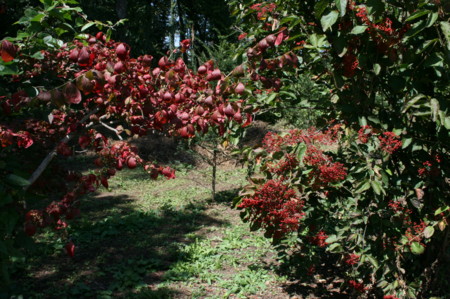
375, 200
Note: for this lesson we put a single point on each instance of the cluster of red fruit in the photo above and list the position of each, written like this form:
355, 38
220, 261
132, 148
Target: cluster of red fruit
104, 83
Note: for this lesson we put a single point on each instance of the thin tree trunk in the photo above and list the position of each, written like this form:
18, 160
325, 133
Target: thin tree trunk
214, 173
183, 31
172, 25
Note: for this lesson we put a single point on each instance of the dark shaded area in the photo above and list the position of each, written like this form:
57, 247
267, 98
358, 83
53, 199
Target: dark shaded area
165, 150
10, 12
118, 249
255, 134
226, 196
326, 281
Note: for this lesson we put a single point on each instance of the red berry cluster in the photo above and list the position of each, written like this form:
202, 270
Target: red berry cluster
364, 134
275, 207
430, 169
415, 233
285, 166
390, 142
351, 259
263, 9
387, 39
319, 239
357, 285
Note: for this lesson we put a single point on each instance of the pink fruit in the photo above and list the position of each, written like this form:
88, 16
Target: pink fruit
229, 111
263, 45
271, 39
131, 162
119, 67
121, 52
84, 57
240, 88
215, 75
73, 56
202, 70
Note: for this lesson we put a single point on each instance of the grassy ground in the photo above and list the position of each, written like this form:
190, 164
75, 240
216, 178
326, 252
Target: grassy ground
156, 239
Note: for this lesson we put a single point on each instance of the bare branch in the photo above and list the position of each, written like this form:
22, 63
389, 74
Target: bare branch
37, 173
112, 129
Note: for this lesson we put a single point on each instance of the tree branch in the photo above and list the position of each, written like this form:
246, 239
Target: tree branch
37, 173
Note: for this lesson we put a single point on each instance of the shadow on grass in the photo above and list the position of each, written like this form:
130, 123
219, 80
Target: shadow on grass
120, 252
226, 196
326, 280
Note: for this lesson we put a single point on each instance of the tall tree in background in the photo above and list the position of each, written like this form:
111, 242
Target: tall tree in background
151, 27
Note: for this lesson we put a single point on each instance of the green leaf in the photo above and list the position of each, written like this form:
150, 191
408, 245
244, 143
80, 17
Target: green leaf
445, 27
38, 17
428, 232
432, 18
411, 102
434, 60
440, 210
108, 34
271, 98
359, 29
373, 261
341, 6
434, 104
362, 187
362, 121
422, 47
376, 186
320, 7
375, 7
447, 123
9, 69
417, 14
300, 150
16, 180
331, 239
416, 248
328, 20
376, 68
86, 26
406, 142
335, 247
38, 55
317, 41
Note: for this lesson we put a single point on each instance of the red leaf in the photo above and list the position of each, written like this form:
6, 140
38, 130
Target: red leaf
70, 249
7, 51
279, 39
104, 182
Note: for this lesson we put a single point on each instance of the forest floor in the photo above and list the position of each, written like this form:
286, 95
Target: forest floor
162, 239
